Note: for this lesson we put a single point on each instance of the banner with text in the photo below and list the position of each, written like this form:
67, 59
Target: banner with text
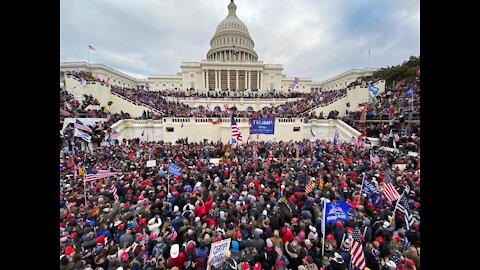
263, 126
217, 251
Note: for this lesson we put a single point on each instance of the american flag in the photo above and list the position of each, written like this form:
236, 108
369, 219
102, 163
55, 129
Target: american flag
78, 124
309, 187
114, 134
225, 106
173, 233
236, 49
97, 174
389, 189
91, 47
356, 251
235, 130
113, 189
374, 158
402, 207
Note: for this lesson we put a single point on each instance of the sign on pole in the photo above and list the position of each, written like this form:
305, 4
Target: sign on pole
217, 251
263, 126
151, 163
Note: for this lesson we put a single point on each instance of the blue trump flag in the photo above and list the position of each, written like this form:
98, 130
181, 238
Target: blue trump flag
173, 169
336, 211
374, 194
410, 92
373, 89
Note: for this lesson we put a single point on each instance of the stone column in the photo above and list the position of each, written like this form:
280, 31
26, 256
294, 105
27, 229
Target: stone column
261, 80
203, 79
258, 79
249, 79
228, 79
206, 75
216, 79
236, 79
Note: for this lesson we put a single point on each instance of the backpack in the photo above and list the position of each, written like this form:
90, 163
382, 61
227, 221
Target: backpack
249, 254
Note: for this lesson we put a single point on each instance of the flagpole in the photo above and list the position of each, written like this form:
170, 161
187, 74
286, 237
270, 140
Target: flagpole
324, 229
361, 189
368, 59
88, 55
84, 188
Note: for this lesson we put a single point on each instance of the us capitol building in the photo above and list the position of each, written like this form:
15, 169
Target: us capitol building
231, 64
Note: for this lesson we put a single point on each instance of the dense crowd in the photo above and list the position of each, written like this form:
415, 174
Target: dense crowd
255, 196
232, 94
177, 109
399, 109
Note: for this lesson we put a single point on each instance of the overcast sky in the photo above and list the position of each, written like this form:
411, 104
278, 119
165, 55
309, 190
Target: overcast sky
314, 38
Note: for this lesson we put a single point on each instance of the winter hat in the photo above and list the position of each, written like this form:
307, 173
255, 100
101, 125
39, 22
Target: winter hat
235, 245
69, 250
257, 266
380, 239
245, 266
100, 239
124, 256
391, 264
409, 262
269, 243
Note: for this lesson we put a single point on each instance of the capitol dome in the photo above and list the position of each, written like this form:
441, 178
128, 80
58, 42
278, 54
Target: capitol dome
232, 41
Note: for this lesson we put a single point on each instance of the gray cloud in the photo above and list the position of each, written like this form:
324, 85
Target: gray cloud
312, 38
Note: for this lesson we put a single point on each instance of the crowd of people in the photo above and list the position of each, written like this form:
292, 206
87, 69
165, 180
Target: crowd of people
232, 94
151, 218
398, 108
178, 109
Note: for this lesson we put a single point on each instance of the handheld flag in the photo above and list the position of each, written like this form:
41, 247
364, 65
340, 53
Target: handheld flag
356, 251
235, 130
389, 189
173, 169
97, 174
82, 134
402, 207
78, 124
336, 211
114, 134
410, 92
373, 89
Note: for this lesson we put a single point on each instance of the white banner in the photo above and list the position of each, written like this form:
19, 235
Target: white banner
217, 251
151, 163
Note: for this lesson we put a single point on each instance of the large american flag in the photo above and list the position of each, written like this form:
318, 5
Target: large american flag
235, 130
78, 124
389, 189
402, 207
358, 258
97, 174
